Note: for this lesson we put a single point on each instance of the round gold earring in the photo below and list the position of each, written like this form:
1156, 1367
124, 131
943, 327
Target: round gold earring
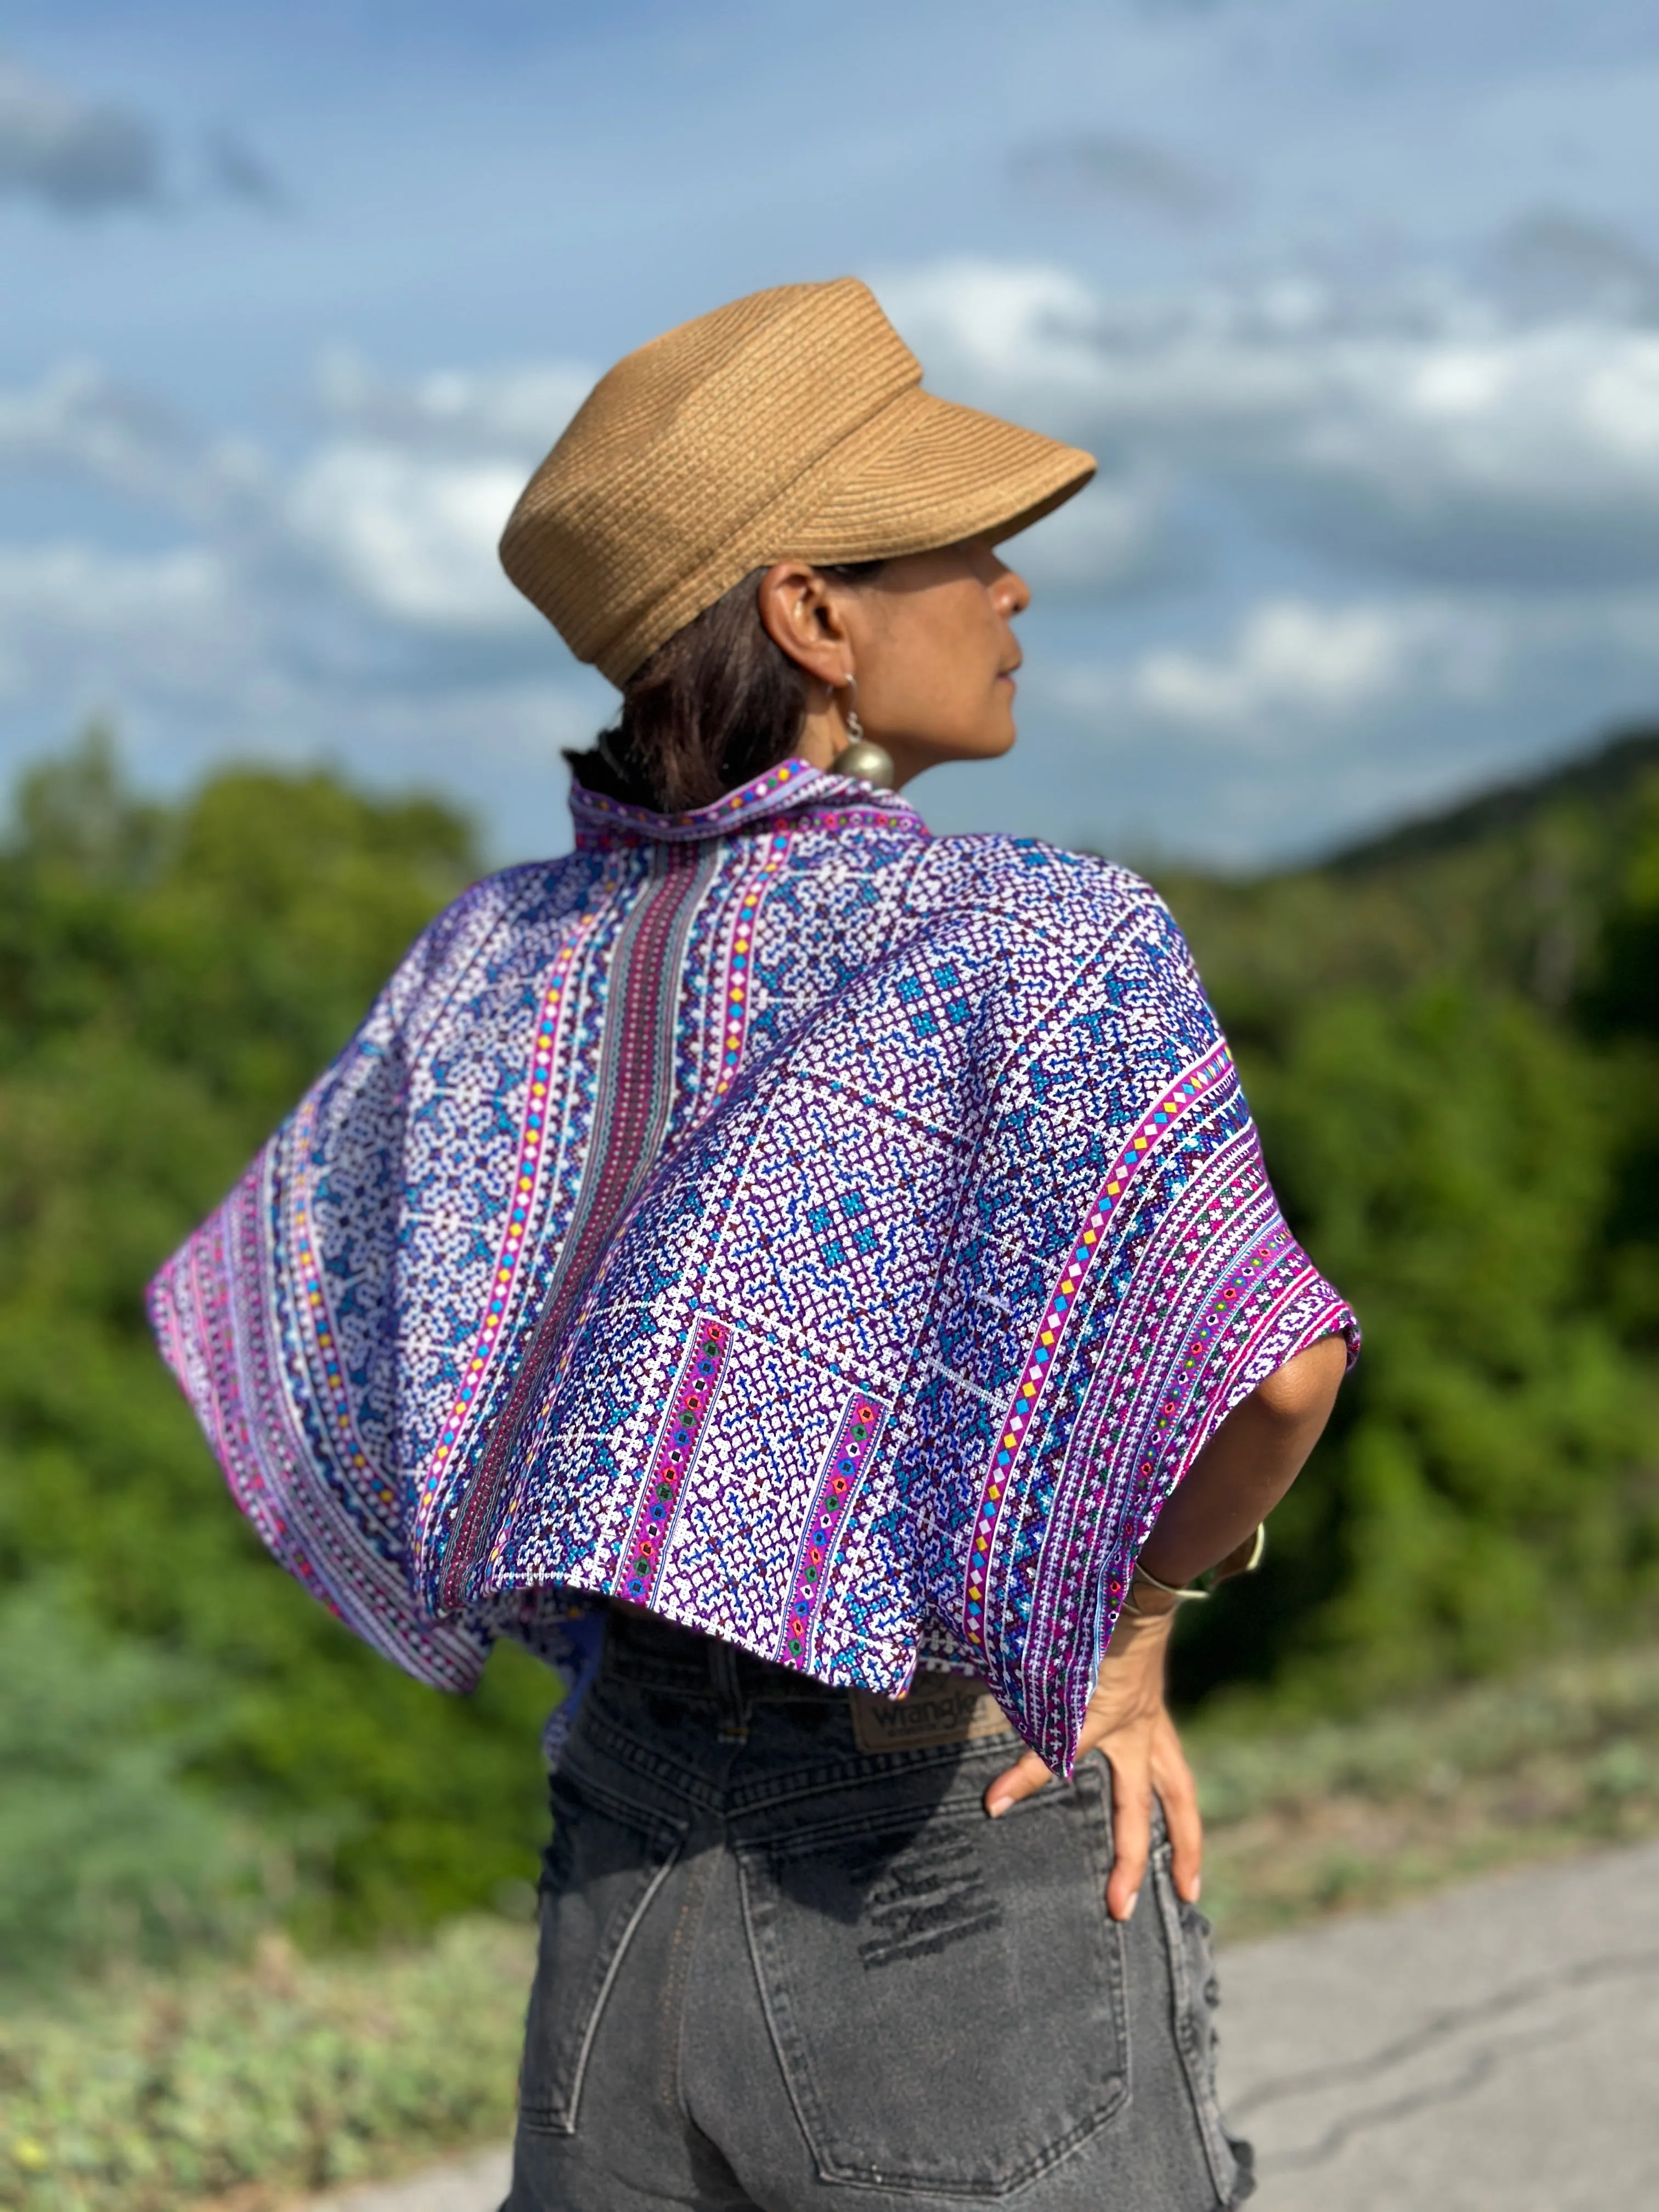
861, 757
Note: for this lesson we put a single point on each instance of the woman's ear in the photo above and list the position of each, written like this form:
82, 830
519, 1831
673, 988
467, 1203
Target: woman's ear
798, 610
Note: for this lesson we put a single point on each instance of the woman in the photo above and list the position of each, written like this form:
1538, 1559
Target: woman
821, 1279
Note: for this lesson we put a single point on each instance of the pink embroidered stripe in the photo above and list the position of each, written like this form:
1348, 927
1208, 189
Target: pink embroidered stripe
738, 978
532, 1145
1021, 1417
337, 1409
677, 1447
855, 1439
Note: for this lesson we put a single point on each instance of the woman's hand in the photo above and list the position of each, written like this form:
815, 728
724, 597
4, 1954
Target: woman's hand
1127, 1719
1232, 1485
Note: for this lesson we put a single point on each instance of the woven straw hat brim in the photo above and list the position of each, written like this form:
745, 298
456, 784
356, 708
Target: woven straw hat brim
922, 472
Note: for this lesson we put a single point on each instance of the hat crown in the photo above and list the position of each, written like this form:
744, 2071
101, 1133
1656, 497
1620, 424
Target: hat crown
773, 426
820, 359
686, 439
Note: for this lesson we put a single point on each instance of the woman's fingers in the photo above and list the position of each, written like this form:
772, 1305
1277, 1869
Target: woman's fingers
1127, 1720
1023, 1779
1132, 1829
1173, 1780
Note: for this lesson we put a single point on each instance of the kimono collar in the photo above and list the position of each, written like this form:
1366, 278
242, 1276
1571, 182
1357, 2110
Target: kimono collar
791, 786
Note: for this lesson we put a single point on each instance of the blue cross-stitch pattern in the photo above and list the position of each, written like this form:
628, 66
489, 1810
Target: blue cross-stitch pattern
942, 1127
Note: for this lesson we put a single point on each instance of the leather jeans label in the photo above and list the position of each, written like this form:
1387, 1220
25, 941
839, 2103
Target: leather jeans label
939, 1710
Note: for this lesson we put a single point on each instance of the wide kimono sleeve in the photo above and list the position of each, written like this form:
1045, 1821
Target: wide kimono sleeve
1125, 1278
279, 1317
1123, 1222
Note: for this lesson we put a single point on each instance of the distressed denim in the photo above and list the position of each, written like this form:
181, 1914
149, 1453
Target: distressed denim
780, 1969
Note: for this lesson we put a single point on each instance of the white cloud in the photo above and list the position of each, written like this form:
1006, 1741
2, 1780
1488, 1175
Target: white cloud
76, 156
412, 537
1303, 720
406, 503
1556, 261
1136, 368
350, 606
402, 506
351, 600
1293, 672
72, 615
1000, 326
79, 417
516, 410
1431, 433
196, 661
1117, 537
1287, 657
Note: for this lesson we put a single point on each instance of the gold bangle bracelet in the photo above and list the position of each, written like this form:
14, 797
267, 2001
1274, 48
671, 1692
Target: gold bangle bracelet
1252, 1548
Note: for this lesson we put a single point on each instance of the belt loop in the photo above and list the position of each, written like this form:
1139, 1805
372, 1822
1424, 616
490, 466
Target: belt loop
726, 1680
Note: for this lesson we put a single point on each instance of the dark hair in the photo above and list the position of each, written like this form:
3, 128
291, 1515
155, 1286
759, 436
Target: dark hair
716, 705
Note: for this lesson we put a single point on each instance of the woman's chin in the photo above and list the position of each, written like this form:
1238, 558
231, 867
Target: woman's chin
921, 754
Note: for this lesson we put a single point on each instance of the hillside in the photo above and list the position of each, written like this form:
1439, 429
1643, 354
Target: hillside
1448, 1035
1511, 890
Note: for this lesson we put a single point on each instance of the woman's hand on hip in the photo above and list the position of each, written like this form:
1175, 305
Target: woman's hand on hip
1127, 1719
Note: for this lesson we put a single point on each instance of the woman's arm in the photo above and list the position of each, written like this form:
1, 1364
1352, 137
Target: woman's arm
1247, 1465
1235, 1482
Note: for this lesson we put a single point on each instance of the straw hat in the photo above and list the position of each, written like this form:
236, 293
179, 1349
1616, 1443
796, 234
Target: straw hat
791, 424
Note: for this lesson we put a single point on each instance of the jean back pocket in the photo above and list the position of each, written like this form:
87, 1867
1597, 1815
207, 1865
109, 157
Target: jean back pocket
908, 1960
606, 1862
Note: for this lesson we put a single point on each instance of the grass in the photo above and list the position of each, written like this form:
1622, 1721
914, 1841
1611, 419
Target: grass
261, 2083
246, 2087
1338, 1816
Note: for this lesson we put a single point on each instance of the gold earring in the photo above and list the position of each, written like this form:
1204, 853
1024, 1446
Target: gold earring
860, 758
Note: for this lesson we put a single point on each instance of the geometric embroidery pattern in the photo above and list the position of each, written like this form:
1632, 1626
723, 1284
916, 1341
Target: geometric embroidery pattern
692, 1395
854, 1440
838, 1238
1143, 1147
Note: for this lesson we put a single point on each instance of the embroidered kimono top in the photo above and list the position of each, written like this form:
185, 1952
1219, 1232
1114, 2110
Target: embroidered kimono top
833, 1237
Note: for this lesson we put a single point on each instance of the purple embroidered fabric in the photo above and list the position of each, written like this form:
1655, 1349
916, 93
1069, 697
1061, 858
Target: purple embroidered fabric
836, 1238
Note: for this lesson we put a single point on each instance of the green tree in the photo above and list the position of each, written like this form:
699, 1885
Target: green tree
1446, 1040
1450, 1041
170, 980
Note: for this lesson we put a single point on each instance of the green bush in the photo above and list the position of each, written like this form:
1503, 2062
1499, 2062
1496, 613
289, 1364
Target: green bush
105, 1848
1451, 1158
1464, 1137
169, 981
1449, 1041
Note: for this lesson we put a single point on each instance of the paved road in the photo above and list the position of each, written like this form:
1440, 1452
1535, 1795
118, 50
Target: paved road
465, 2184
1495, 2047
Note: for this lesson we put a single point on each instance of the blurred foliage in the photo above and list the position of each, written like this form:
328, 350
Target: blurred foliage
170, 980
105, 1848
1333, 1815
256, 2081
1450, 1039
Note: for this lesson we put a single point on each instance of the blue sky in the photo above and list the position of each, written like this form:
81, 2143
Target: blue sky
1358, 305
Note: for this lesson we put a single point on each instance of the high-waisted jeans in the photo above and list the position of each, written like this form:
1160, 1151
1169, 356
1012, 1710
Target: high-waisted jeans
780, 1968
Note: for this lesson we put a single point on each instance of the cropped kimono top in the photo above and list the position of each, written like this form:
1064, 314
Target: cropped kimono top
833, 1237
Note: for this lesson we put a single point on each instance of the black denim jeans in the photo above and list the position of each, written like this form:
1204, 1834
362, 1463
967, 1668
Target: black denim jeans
780, 1969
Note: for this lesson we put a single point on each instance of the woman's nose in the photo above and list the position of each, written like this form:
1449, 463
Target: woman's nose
1011, 594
